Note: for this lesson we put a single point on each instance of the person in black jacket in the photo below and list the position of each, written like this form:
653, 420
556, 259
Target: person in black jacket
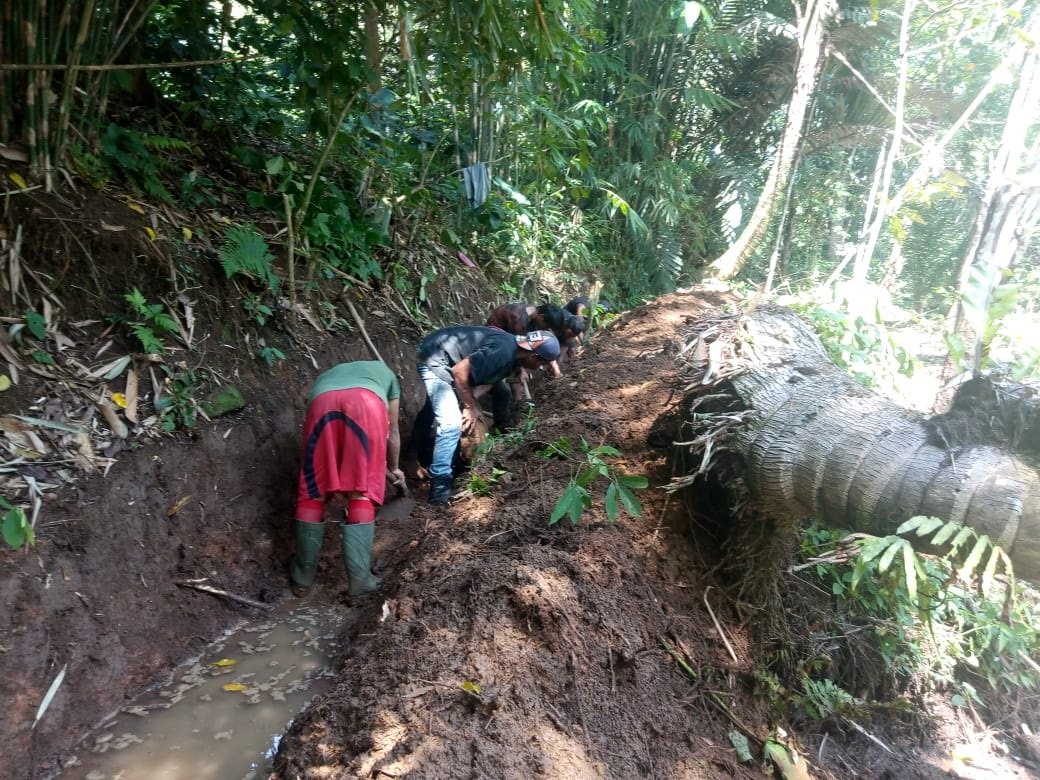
469, 360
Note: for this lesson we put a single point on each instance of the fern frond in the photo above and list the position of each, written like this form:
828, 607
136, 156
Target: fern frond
246, 252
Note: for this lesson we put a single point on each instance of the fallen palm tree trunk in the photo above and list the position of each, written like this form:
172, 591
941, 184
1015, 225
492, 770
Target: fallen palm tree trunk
815, 443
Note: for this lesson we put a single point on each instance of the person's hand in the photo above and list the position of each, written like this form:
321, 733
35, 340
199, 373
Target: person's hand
396, 477
469, 420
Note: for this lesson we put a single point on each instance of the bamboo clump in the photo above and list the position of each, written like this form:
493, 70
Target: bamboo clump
56, 63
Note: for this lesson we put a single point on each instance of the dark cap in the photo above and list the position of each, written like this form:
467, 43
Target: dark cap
543, 343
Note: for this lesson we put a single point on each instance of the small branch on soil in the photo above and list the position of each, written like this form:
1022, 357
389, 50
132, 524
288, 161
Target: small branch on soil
218, 592
868, 735
714, 698
364, 333
718, 627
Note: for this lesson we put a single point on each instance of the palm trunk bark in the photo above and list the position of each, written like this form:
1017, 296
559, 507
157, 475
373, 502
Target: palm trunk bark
815, 443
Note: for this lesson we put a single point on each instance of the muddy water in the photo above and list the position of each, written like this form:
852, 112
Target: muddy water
222, 714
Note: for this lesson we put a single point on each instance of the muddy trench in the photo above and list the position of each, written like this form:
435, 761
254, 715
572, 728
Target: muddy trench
99, 596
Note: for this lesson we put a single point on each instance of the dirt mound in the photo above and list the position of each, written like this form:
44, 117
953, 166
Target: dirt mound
504, 647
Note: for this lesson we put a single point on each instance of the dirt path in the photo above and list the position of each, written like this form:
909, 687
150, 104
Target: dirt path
509, 648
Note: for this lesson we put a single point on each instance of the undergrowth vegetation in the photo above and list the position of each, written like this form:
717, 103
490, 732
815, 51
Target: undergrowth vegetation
933, 607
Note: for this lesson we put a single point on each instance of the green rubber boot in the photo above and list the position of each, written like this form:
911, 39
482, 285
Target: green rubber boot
308, 549
357, 554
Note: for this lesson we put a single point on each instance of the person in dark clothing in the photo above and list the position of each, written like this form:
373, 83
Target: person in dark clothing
579, 306
469, 360
521, 318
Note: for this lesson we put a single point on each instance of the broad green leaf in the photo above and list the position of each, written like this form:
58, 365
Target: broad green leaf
922, 524
637, 481
36, 324
910, 570
610, 502
990, 571
578, 506
629, 501
972, 561
962, 536
894, 545
872, 548
858, 570
564, 505
274, 165
948, 530
16, 531
587, 476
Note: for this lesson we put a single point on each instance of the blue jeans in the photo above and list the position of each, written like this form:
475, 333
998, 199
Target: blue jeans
448, 414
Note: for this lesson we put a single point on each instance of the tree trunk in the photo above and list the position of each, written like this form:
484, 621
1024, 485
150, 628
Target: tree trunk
816, 443
817, 18
1009, 214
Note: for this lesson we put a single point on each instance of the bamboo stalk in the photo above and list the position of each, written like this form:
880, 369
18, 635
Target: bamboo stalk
291, 251
129, 66
32, 129
75, 54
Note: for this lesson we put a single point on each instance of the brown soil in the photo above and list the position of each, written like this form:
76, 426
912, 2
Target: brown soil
499, 646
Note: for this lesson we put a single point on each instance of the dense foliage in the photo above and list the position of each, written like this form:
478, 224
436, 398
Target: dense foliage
621, 139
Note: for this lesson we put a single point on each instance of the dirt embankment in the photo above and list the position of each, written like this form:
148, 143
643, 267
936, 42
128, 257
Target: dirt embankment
97, 596
509, 648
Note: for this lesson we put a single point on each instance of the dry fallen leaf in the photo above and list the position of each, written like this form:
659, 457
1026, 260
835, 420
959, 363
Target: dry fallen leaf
178, 506
119, 399
135, 207
17, 179
234, 687
150, 233
225, 662
131, 396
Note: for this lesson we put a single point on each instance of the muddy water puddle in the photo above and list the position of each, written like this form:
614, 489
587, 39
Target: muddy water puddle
222, 714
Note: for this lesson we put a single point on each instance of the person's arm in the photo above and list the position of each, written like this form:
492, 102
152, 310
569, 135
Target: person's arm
470, 411
393, 444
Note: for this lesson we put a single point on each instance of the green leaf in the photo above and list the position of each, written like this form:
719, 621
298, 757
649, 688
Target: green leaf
910, 571
922, 524
972, 561
16, 529
578, 506
605, 450
587, 476
945, 533
610, 502
962, 536
629, 501
42, 357
893, 545
637, 481
275, 165
995, 556
136, 301
566, 502
36, 324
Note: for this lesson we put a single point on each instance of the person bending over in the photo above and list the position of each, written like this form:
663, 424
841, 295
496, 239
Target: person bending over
460, 364
351, 446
